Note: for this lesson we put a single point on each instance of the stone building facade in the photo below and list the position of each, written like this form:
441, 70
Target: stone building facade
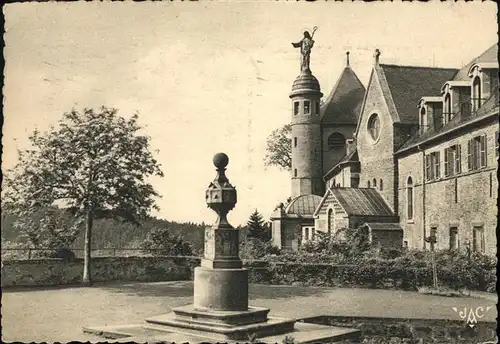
397, 138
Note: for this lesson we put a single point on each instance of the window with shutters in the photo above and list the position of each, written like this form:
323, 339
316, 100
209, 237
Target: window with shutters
432, 166
478, 244
476, 153
452, 160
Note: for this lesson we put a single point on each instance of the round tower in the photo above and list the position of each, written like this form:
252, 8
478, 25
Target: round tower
306, 136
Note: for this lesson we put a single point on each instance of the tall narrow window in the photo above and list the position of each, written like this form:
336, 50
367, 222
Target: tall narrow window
295, 142
295, 172
409, 198
374, 183
482, 150
381, 185
476, 153
456, 190
317, 108
453, 238
423, 120
476, 93
307, 107
433, 234
452, 160
330, 220
491, 184
478, 243
447, 108
296, 108
369, 184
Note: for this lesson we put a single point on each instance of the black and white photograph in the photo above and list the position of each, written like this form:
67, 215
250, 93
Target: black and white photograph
238, 171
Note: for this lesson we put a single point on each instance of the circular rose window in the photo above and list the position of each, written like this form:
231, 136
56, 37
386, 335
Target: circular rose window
374, 126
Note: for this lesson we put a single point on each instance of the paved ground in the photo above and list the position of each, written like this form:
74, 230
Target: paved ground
58, 314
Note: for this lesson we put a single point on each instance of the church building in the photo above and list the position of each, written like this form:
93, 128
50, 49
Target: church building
412, 156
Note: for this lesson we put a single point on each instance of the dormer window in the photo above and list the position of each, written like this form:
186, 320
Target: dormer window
476, 93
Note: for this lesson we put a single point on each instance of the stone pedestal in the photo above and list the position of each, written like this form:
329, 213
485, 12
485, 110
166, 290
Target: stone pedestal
220, 309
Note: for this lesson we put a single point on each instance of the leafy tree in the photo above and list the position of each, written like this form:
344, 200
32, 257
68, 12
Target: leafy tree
162, 242
94, 163
257, 228
52, 230
279, 148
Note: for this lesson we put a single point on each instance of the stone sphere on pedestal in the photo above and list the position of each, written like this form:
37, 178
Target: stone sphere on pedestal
221, 160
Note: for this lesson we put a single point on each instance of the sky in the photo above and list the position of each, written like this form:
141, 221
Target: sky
208, 77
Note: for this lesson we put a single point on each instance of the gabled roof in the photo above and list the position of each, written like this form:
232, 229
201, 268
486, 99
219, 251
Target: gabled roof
358, 201
350, 158
407, 84
490, 55
343, 104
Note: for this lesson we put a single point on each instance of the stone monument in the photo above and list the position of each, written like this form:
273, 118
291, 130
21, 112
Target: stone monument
220, 310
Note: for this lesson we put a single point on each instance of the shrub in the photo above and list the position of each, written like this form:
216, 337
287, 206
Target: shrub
254, 248
162, 242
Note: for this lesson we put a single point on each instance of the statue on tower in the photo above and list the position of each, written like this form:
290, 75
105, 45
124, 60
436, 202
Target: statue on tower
305, 46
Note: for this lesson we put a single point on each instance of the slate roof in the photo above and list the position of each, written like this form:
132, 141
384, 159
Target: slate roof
303, 205
489, 108
490, 55
350, 158
343, 104
362, 201
378, 226
407, 84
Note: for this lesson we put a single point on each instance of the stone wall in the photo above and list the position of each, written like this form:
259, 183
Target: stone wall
59, 272
399, 330
463, 200
376, 156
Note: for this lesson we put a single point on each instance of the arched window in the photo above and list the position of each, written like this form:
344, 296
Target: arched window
447, 108
334, 184
409, 198
374, 183
374, 126
381, 185
369, 185
423, 120
330, 220
476, 93
336, 141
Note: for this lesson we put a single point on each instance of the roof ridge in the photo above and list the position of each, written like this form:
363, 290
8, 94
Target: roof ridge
417, 67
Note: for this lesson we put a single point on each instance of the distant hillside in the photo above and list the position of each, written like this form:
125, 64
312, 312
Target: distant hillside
112, 233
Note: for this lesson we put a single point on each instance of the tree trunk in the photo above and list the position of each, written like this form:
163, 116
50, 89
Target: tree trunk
87, 278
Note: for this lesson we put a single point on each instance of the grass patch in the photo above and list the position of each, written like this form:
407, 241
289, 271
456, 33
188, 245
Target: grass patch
441, 291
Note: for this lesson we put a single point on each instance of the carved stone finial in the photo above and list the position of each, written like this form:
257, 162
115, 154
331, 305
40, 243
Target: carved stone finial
221, 195
347, 59
377, 56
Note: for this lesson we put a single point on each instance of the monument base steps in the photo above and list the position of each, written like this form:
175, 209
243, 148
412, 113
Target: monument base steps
303, 333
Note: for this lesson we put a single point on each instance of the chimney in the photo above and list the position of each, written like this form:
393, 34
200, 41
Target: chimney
377, 56
350, 146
